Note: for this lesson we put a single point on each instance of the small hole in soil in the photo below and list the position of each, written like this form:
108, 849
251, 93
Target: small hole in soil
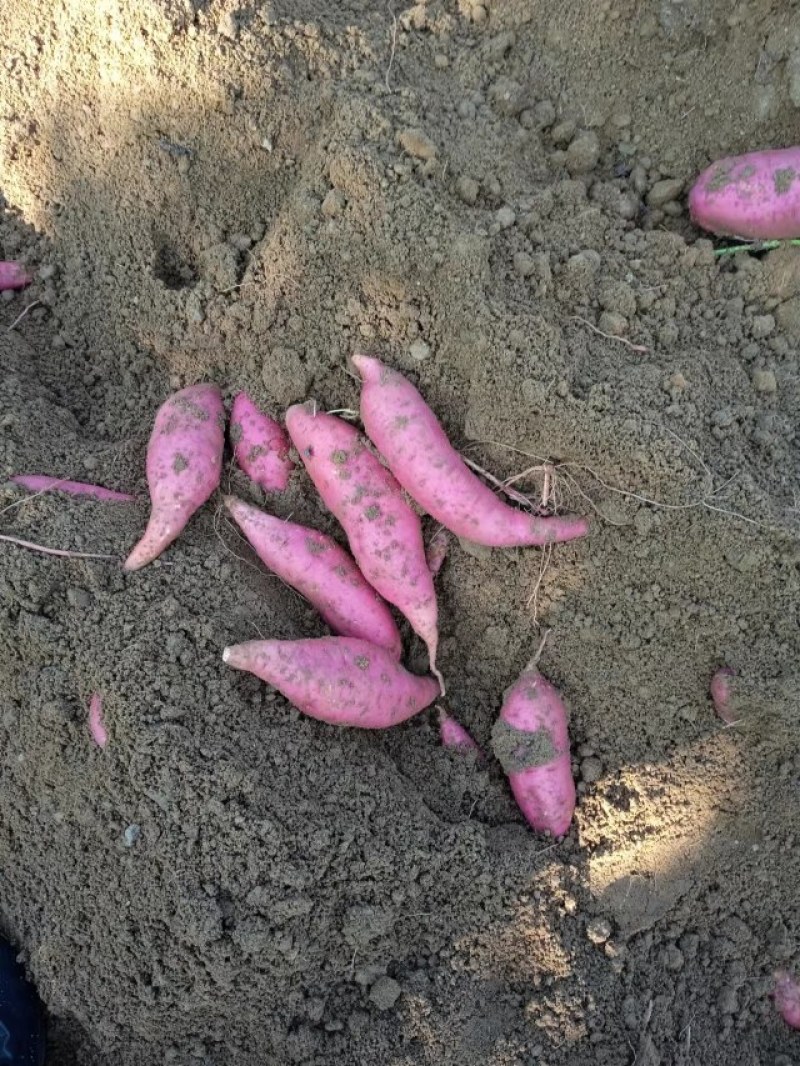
174, 267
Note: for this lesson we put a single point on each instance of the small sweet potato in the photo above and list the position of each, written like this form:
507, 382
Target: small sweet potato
384, 533
322, 572
13, 275
453, 735
339, 680
754, 196
408, 435
260, 445
721, 694
46, 483
184, 464
787, 998
531, 742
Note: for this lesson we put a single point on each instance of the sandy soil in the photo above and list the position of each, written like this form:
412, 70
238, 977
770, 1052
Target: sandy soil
247, 193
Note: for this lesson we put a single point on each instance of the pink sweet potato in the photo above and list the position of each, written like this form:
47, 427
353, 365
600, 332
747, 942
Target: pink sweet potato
384, 533
339, 680
453, 735
407, 434
13, 275
260, 445
97, 726
721, 694
531, 742
184, 464
322, 572
45, 483
787, 998
755, 196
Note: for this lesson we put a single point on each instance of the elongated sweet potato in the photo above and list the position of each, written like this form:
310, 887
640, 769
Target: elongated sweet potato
260, 445
46, 483
407, 434
721, 694
339, 680
531, 742
756, 196
384, 533
184, 463
321, 571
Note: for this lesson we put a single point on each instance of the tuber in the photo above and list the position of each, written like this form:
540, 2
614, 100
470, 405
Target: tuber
13, 275
384, 533
184, 464
787, 998
260, 445
408, 435
755, 196
339, 680
531, 741
44, 483
322, 572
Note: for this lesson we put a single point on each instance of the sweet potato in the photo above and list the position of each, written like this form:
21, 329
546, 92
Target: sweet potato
260, 445
184, 463
453, 735
531, 742
755, 196
787, 998
407, 434
322, 572
384, 533
97, 726
721, 694
45, 483
13, 275
339, 680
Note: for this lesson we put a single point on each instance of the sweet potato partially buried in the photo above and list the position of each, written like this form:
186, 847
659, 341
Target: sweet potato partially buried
184, 463
384, 533
408, 435
260, 445
756, 196
339, 680
322, 572
531, 742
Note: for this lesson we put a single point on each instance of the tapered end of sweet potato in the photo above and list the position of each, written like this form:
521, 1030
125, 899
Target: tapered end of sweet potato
162, 529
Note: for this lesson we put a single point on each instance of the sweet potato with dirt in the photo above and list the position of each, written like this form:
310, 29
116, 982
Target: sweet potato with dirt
260, 445
339, 680
322, 572
453, 735
787, 998
184, 464
408, 435
384, 533
720, 688
755, 196
13, 275
531, 742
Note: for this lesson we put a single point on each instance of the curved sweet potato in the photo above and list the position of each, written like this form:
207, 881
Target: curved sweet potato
339, 680
384, 533
408, 435
322, 572
531, 741
260, 445
184, 463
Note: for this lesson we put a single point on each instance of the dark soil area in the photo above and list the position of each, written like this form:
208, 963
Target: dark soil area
492, 197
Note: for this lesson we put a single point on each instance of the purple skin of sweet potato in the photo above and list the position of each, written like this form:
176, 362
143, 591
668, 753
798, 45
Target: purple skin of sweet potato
339, 680
754, 196
184, 464
384, 533
260, 445
531, 742
721, 694
409, 437
13, 275
453, 735
46, 483
787, 998
322, 572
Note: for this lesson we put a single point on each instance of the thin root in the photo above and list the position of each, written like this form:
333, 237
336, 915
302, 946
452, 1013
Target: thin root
62, 553
608, 336
22, 314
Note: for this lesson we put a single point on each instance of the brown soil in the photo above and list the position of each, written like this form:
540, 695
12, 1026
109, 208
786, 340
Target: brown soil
246, 193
